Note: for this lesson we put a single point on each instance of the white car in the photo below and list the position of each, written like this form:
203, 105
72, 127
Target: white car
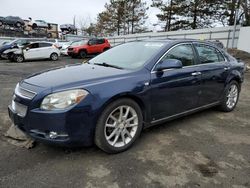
36, 51
40, 24
65, 46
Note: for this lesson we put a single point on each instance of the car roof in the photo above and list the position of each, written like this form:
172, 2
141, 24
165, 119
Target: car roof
178, 40
41, 42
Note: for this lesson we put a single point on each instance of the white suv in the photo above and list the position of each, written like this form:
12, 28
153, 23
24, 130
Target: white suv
37, 50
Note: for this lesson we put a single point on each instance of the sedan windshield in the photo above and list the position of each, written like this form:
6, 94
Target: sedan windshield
131, 55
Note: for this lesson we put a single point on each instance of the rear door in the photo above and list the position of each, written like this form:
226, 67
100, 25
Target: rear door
176, 90
45, 49
93, 47
214, 70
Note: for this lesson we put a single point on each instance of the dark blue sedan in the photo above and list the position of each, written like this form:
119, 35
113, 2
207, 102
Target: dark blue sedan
110, 99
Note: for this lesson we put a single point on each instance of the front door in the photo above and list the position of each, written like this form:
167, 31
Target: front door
176, 90
31, 51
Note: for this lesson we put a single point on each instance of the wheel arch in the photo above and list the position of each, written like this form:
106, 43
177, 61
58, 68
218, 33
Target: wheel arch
235, 76
82, 49
133, 97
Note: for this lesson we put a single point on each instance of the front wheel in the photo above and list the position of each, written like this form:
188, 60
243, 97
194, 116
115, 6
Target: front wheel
119, 125
231, 97
82, 54
19, 58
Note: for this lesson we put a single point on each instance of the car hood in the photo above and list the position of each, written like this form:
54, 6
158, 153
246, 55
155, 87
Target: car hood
5, 47
75, 76
80, 46
11, 50
65, 46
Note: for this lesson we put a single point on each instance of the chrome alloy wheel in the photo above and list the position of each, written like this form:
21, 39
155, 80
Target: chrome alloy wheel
121, 126
232, 96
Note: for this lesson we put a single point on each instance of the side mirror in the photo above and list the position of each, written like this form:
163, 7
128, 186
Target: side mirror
27, 49
169, 64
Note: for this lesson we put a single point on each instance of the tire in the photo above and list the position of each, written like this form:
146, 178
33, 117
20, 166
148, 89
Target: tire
110, 123
82, 54
49, 35
105, 49
229, 103
54, 56
1, 23
18, 25
19, 58
34, 26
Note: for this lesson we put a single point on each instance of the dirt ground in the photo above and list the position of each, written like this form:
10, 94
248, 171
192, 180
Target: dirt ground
207, 149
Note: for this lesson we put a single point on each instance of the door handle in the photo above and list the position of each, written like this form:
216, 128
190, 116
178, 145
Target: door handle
226, 68
196, 73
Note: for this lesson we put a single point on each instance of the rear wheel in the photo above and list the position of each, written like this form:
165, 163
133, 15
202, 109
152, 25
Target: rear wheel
82, 54
18, 24
119, 125
54, 56
231, 97
1, 23
19, 58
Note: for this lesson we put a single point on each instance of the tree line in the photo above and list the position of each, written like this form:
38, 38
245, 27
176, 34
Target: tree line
122, 17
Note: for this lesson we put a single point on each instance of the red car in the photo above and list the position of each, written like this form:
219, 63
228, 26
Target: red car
93, 46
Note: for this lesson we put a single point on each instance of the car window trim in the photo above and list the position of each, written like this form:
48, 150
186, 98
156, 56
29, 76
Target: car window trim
184, 43
194, 43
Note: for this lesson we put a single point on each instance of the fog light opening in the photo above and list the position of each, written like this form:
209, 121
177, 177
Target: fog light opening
54, 135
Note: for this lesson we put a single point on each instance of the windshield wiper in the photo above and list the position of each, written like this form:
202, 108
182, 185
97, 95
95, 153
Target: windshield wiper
108, 65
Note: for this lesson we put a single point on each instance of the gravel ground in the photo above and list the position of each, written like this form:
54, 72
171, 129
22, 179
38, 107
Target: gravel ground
207, 149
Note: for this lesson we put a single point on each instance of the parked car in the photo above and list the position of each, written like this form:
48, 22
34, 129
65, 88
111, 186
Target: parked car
13, 44
93, 46
67, 27
12, 21
37, 50
1, 21
39, 24
123, 90
9, 54
65, 46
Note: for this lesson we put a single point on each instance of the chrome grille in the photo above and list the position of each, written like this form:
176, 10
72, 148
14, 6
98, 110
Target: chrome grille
24, 93
20, 109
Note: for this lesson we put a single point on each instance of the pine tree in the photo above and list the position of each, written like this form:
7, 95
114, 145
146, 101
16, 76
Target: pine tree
187, 14
122, 16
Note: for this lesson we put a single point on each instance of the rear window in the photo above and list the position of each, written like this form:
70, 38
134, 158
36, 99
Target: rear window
208, 54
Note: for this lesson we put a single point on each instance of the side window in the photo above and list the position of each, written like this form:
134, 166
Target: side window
100, 41
183, 52
34, 45
208, 54
42, 45
92, 42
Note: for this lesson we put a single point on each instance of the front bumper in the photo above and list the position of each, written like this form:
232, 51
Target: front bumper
72, 53
72, 128
4, 56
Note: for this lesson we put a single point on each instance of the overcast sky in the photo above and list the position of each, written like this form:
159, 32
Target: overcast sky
59, 11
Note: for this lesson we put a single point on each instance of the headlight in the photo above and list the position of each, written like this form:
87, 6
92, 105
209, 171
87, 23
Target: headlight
62, 100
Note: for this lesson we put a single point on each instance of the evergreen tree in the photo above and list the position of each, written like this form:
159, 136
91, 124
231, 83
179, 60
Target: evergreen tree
187, 14
122, 16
